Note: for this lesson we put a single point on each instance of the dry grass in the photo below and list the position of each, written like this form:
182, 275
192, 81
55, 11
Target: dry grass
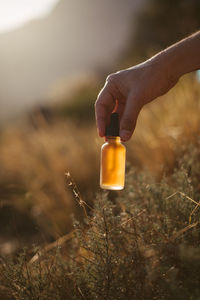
164, 125
152, 227
141, 244
34, 160
37, 160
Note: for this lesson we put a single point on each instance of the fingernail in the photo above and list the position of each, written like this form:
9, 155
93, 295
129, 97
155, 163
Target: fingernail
125, 135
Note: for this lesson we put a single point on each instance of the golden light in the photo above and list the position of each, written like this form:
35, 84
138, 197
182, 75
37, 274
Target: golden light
15, 13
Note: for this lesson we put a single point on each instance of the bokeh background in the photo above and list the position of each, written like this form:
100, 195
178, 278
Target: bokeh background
54, 58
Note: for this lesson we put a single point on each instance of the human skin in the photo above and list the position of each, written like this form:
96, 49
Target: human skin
128, 90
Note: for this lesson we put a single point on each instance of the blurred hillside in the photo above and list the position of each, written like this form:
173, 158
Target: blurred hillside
160, 24
77, 37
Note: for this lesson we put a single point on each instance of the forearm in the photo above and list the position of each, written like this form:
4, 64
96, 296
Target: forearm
136, 86
182, 57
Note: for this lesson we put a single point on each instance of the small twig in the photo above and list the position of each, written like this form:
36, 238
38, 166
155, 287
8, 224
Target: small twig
187, 197
50, 246
198, 204
134, 217
182, 194
193, 211
127, 221
172, 195
80, 293
76, 193
183, 230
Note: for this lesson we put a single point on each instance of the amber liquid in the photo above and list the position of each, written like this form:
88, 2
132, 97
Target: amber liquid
113, 158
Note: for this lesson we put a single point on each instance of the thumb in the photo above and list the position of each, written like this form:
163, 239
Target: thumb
129, 118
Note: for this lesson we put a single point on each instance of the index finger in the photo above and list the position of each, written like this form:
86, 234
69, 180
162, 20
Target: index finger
103, 108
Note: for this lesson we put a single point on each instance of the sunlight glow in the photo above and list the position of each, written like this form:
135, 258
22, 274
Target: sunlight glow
14, 13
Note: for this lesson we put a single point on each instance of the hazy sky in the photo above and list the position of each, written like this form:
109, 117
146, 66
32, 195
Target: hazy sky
64, 40
14, 13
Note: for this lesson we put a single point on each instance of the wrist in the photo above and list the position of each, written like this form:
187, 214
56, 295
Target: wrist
169, 64
182, 57
163, 70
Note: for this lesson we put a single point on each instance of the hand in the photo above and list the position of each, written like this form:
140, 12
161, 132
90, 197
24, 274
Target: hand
131, 89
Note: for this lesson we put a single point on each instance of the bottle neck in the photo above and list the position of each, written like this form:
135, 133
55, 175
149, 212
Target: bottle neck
113, 139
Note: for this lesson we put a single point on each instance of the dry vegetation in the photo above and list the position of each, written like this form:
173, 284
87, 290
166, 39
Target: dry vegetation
138, 244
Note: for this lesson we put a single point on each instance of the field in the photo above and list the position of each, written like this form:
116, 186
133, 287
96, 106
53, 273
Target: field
81, 242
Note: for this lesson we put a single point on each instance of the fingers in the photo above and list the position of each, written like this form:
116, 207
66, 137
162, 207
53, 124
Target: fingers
128, 106
129, 118
103, 107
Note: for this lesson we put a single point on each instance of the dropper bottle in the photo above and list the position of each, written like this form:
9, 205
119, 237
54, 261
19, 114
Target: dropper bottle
113, 158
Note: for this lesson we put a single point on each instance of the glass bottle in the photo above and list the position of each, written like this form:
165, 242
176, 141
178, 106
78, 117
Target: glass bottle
113, 158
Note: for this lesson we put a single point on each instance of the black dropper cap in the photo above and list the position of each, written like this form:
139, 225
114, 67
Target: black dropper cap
113, 128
